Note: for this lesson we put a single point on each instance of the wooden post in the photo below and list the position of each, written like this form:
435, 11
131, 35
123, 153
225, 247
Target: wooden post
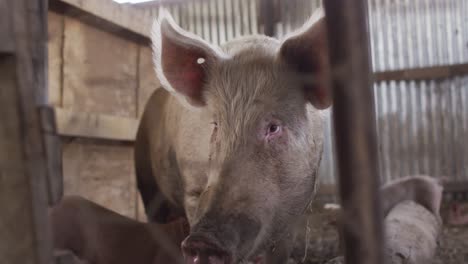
267, 9
24, 169
355, 131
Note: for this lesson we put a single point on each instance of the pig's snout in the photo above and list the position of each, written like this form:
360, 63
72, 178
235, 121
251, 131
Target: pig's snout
199, 249
217, 239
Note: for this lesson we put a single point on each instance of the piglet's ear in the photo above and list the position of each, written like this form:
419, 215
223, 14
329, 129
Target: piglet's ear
182, 60
307, 52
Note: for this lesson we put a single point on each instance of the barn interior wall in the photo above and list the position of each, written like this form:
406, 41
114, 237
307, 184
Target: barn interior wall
94, 71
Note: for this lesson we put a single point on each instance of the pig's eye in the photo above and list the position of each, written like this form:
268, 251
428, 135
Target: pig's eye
273, 128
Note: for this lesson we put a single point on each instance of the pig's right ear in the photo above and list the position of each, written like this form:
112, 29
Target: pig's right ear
306, 51
182, 60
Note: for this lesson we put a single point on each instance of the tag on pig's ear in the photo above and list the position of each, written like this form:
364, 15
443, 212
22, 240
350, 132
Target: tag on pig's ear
182, 60
307, 52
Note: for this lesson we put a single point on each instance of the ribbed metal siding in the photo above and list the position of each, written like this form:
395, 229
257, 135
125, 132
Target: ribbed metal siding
418, 33
421, 125
216, 21
423, 128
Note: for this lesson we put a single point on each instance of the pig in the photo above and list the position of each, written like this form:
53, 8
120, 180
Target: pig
411, 208
234, 138
97, 235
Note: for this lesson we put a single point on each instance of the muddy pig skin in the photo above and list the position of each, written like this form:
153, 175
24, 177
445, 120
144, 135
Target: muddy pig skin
233, 139
411, 207
412, 226
97, 235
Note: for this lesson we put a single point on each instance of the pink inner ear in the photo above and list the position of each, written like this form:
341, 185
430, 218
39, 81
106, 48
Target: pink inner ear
181, 69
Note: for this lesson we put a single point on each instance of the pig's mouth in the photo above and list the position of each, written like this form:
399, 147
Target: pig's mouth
260, 259
197, 251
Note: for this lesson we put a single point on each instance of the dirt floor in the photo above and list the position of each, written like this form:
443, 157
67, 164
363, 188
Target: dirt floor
323, 242
453, 246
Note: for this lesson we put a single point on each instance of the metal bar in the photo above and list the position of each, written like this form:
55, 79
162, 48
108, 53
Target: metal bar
355, 130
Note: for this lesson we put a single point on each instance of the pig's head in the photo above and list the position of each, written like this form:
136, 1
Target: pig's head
261, 97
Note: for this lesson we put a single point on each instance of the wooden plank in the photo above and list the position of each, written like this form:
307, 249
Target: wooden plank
426, 73
7, 41
16, 220
55, 54
101, 171
456, 186
53, 154
23, 197
90, 125
99, 71
108, 15
147, 80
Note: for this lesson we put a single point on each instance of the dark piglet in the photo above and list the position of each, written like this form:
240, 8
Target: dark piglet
97, 235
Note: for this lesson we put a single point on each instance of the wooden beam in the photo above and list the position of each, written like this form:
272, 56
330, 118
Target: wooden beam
266, 17
52, 144
355, 131
124, 20
425, 73
99, 126
456, 186
23, 166
7, 42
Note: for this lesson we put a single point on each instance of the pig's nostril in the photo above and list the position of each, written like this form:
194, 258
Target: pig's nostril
199, 250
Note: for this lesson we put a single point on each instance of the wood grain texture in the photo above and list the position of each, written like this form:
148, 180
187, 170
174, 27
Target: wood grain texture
102, 172
90, 125
7, 43
100, 71
148, 82
23, 167
16, 222
424, 73
55, 49
354, 130
53, 154
123, 16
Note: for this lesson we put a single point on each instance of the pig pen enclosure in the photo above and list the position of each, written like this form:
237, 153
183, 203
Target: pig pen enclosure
87, 66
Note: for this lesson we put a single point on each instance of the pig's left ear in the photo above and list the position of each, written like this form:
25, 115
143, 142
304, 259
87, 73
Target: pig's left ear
182, 60
307, 52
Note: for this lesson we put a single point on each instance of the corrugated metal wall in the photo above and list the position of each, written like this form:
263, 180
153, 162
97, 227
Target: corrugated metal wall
422, 125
